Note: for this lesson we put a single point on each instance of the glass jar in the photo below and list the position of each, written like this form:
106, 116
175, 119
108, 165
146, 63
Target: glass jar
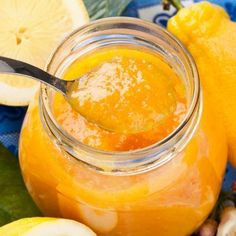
165, 189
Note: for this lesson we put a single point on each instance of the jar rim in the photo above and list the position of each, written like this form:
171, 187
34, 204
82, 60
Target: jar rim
157, 147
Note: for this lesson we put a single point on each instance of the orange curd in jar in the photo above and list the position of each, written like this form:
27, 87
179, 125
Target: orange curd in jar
144, 155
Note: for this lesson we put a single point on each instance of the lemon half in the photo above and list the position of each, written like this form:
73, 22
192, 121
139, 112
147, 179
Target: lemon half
29, 31
43, 226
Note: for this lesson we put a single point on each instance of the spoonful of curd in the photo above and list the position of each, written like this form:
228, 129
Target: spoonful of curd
125, 94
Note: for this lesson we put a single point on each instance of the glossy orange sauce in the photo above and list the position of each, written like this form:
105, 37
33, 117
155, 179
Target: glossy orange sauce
171, 200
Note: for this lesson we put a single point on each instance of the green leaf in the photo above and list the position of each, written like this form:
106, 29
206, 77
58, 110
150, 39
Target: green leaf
104, 8
15, 201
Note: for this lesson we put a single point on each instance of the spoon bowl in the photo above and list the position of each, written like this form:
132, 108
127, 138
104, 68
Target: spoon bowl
12, 66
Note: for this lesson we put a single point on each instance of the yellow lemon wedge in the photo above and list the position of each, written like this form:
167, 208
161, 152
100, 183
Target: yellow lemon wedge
29, 31
43, 226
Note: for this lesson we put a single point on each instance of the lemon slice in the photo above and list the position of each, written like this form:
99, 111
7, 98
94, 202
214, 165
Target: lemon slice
43, 226
29, 31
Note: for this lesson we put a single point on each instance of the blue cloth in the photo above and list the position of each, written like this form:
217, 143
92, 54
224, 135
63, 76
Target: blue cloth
11, 118
156, 14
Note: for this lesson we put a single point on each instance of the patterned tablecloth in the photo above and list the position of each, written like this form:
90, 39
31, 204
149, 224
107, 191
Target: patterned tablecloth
11, 117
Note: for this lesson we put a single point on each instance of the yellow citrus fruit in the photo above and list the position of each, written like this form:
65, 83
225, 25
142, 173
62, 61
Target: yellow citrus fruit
209, 34
43, 226
29, 31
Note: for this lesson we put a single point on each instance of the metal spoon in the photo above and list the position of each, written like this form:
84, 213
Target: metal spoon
66, 88
12, 66
8, 65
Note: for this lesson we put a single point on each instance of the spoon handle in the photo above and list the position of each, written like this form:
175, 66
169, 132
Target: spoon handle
11, 66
